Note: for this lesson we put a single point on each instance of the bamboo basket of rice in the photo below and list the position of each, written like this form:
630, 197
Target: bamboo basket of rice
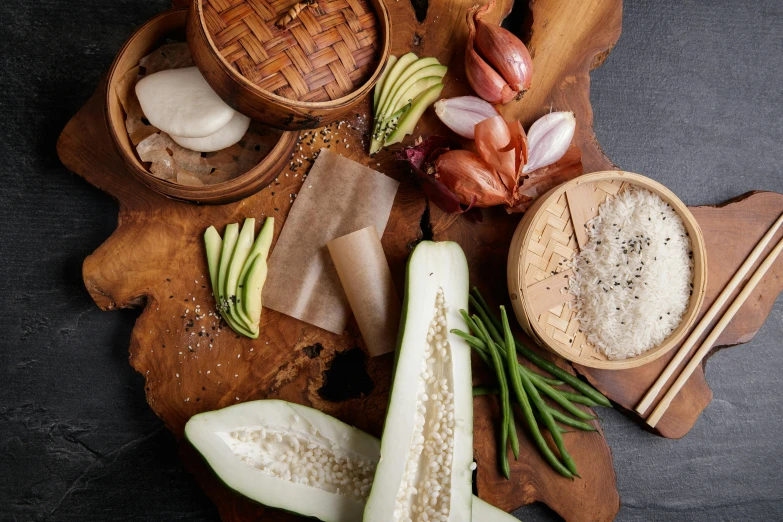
549, 262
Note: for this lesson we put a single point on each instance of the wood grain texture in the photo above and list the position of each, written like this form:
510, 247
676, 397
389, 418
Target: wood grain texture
155, 259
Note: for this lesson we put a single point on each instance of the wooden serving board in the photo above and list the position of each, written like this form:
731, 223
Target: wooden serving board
155, 260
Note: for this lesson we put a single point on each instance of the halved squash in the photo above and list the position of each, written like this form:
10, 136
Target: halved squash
427, 444
240, 444
288, 456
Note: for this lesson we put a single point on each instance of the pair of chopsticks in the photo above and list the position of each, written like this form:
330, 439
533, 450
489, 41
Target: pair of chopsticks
705, 347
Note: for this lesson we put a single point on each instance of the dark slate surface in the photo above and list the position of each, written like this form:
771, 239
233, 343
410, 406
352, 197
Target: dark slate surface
690, 96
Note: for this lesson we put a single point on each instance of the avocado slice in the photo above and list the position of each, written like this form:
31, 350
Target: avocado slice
399, 67
251, 292
241, 250
214, 244
414, 69
379, 85
260, 249
229, 242
408, 121
405, 101
238, 327
413, 86
261, 246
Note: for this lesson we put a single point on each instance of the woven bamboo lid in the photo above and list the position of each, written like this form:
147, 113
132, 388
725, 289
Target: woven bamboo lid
292, 64
323, 54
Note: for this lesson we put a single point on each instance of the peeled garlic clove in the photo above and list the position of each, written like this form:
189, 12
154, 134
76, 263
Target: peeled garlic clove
484, 80
231, 133
506, 53
181, 103
548, 139
461, 114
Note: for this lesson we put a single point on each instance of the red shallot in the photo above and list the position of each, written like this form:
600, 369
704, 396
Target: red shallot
508, 168
497, 63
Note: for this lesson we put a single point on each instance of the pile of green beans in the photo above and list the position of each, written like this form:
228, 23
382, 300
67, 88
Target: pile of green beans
492, 340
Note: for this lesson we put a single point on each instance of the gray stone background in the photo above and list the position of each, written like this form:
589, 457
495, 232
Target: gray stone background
690, 96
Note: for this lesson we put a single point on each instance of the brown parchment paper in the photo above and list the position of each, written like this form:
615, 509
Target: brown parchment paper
367, 283
338, 197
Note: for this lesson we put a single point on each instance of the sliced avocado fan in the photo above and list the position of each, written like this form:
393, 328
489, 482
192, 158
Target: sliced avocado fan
237, 271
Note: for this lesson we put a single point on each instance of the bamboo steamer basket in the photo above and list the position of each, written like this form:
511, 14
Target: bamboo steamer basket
538, 274
303, 76
147, 38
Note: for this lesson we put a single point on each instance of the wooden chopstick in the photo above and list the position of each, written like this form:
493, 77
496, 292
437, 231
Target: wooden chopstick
704, 349
732, 285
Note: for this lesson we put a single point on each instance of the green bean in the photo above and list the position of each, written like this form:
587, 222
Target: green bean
539, 418
569, 421
484, 390
484, 312
578, 397
517, 380
512, 430
551, 382
505, 404
472, 340
557, 396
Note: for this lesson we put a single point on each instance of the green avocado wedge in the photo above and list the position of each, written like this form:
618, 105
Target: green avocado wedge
411, 88
413, 70
376, 95
254, 275
384, 92
237, 271
229, 242
394, 74
411, 117
404, 104
261, 246
214, 245
238, 258
251, 300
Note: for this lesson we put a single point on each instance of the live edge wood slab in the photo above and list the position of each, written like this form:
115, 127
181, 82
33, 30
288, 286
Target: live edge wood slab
155, 260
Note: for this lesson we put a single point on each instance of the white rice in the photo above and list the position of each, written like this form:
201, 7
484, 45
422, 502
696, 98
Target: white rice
633, 278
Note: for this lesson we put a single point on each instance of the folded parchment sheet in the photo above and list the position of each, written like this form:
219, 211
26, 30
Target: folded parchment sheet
338, 197
367, 282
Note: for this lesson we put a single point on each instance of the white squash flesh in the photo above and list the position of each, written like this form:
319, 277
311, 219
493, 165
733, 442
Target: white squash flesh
484, 512
246, 446
427, 444
181, 103
226, 136
218, 437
